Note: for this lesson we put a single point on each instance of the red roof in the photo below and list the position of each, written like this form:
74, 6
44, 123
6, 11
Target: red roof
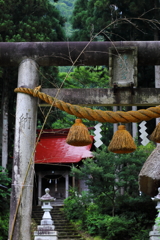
52, 148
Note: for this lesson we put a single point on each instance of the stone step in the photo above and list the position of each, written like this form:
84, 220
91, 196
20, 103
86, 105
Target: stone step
65, 229
59, 217
64, 234
70, 238
56, 221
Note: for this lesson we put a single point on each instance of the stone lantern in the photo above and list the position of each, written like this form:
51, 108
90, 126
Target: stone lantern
155, 233
46, 231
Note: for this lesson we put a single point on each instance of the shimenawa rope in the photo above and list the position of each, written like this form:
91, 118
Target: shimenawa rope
94, 115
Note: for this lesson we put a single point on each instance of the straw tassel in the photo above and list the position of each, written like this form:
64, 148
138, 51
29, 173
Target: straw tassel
122, 141
78, 134
155, 136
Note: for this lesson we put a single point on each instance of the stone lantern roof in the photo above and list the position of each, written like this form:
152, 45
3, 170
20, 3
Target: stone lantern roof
47, 197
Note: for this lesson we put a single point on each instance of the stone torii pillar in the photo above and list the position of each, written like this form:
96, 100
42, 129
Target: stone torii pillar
23, 165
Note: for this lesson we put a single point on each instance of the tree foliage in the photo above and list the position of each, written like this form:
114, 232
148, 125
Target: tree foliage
5, 186
27, 20
118, 21
112, 177
121, 20
86, 77
30, 20
66, 8
117, 210
4, 202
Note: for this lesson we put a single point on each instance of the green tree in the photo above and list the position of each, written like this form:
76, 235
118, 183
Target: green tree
113, 177
66, 8
121, 20
125, 20
4, 203
116, 208
86, 77
30, 20
4, 188
27, 20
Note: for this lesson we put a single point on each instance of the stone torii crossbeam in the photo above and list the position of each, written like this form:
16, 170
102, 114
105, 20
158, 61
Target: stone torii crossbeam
28, 57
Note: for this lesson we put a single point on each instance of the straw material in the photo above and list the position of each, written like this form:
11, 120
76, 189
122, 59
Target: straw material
149, 176
122, 141
155, 136
78, 134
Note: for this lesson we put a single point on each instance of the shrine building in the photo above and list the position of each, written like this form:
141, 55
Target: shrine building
53, 161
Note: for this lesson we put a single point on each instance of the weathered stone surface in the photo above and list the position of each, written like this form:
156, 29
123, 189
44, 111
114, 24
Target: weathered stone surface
155, 234
123, 66
106, 97
46, 222
45, 228
25, 137
65, 53
45, 233
46, 237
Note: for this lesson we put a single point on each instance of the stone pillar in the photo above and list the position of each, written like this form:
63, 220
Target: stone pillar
134, 125
155, 233
23, 162
157, 85
66, 184
39, 187
115, 125
45, 231
4, 112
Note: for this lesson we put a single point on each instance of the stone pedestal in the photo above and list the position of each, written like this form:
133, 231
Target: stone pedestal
155, 233
45, 231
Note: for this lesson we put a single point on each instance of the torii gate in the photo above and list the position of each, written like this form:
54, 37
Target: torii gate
29, 56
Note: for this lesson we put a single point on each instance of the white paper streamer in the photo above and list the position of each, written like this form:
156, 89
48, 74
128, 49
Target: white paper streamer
143, 135
98, 136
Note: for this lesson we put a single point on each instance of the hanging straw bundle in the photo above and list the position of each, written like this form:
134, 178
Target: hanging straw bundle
155, 136
149, 176
78, 134
122, 141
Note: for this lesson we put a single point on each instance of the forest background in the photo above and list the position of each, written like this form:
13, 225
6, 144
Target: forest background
81, 20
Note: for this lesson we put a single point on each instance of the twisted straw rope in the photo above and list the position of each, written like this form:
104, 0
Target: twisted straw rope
94, 115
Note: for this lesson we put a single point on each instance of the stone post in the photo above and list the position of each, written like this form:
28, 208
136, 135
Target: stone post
157, 85
155, 234
134, 125
66, 176
23, 162
115, 125
46, 231
39, 187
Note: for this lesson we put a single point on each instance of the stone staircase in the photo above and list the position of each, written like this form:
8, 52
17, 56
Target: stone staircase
65, 229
